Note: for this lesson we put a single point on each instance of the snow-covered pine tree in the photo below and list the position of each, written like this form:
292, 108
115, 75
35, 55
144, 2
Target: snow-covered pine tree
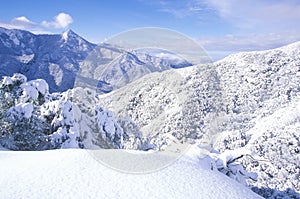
65, 134
21, 126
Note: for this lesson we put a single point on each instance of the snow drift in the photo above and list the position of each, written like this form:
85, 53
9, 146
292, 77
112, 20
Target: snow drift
76, 174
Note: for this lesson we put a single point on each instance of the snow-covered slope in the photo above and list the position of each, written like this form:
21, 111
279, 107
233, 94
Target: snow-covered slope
76, 174
167, 106
260, 93
247, 100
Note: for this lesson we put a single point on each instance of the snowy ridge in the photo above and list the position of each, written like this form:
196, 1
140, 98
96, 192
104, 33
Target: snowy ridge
58, 59
114, 67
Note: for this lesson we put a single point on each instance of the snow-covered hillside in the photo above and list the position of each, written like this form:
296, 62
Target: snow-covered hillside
76, 174
247, 100
260, 93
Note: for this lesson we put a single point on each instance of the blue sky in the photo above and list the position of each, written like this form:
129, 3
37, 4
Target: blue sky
221, 26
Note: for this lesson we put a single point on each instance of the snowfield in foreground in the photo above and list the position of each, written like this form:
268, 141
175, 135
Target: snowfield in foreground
75, 173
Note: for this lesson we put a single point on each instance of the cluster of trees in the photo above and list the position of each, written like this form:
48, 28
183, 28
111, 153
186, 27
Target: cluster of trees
33, 119
27, 122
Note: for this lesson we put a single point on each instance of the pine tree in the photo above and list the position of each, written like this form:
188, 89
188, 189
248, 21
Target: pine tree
22, 128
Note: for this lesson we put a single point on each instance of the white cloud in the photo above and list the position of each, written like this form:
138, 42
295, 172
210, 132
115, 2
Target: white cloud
247, 15
62, 20
178, 13
9, 26
182, 8
22, 22
19, 23
249, 42
254, 24
263, 24
258, 15
219, 47
32, 27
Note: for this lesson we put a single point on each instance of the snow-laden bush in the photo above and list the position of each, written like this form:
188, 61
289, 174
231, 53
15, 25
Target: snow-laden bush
35, 90
228, 163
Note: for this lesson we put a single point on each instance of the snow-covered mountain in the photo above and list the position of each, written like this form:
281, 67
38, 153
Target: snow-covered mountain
58, 59
109, 67
54, 58
247, 102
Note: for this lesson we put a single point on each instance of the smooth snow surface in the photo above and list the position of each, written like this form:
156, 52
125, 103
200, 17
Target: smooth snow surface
75, 173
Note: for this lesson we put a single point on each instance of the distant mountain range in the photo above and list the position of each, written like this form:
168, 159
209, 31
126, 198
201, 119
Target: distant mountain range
60, 58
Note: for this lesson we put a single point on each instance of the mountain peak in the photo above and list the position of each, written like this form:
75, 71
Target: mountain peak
68, 33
